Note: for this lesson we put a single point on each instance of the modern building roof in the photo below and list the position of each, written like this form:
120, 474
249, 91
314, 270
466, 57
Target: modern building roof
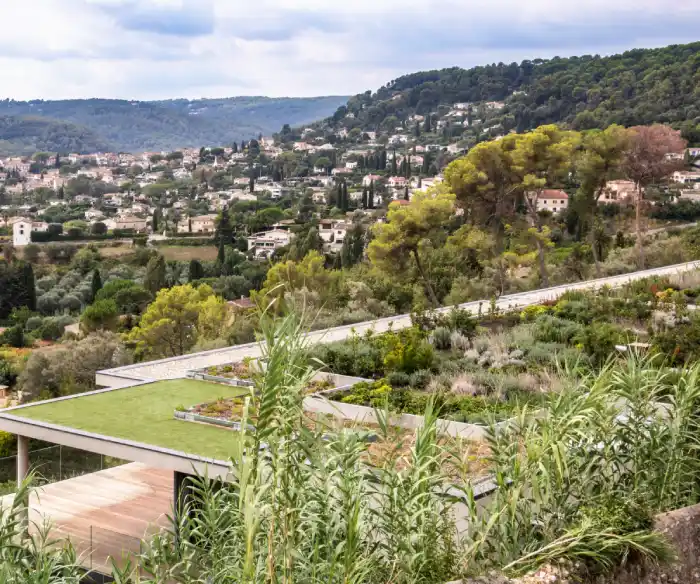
134, 423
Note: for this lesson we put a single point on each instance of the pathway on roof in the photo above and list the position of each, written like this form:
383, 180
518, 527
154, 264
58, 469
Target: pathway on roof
176, 367
105, 513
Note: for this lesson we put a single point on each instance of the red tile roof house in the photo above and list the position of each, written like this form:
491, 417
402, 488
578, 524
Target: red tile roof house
551, 200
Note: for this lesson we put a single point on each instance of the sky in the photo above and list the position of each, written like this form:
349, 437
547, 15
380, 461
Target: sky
161, 49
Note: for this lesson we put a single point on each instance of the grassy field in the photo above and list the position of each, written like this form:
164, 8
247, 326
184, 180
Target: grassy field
187, 253
145, 414
170, 252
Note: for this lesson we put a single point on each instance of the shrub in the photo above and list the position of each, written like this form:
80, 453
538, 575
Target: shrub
51, 329
102, 314
373, 393
599, 339
420, 379
441, 339
530, 313
13, 336
552, 329
48, 303
398, 379
31, 252
70, 302
33, 323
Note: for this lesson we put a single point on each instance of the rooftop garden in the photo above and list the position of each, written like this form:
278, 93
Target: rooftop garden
144, 414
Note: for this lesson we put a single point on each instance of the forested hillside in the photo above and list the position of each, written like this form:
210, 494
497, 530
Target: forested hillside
29, 134
641, 86
118, 125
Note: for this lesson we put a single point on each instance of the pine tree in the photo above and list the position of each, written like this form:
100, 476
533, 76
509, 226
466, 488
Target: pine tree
29, 285
96, 284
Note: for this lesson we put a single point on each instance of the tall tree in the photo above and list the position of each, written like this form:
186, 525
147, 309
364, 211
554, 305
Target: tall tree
651, 157
223, 231
405, 195
221, 253
196, 271
599, 161
252, 180
364, 198
95, 284
541, 159
408, 227
394, 169
353, 246
370, 195
155, 278
154, 222
426, 124
27, 278
486, 186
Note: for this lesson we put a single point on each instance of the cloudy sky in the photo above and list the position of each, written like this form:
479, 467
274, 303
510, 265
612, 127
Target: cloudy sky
154, 49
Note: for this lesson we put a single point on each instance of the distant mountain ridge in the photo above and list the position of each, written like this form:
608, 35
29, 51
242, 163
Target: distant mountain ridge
131, 126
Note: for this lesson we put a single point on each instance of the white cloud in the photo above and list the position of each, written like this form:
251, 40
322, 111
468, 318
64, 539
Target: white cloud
153, 49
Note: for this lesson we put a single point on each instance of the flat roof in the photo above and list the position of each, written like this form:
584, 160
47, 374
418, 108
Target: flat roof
140, 417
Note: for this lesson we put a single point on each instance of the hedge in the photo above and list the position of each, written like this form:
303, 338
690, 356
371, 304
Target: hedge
184, 242
45, 236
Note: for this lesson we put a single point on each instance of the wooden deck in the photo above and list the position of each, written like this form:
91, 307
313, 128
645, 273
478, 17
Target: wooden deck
107, 513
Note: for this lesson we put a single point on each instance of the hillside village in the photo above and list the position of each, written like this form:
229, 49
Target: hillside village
118, 193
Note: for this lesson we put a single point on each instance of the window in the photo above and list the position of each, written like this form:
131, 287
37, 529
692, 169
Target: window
561, 202
554, 208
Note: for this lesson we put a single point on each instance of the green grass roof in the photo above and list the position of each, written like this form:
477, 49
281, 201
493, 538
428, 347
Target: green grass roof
145, 414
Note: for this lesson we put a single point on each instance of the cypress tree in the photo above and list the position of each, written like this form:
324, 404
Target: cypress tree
154, 222
364, 198
382, 162
155, 277
426, 163
405, 195
221, 254
252, 181
96, 284
29, 285
196, 271
61, 193
394, 170
371, 195
407, 168
427, 127
234, 148
417, 130
189, 225
224, 231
